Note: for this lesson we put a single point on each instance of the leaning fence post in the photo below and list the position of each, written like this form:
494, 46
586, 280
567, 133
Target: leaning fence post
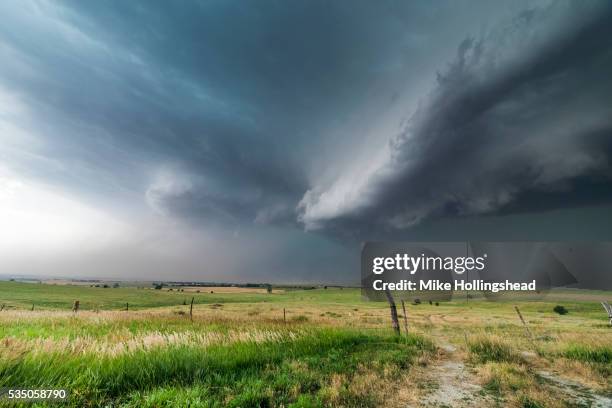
32, 306
608, 308
393, 307
191, 310
524, 322
405, 317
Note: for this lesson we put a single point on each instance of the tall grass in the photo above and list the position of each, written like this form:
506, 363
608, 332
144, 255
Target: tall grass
591, 354
241, 374
492, 349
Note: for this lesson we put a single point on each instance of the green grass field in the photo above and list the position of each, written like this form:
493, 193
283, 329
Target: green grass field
300, 348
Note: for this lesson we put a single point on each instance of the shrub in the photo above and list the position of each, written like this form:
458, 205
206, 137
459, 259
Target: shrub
560, 310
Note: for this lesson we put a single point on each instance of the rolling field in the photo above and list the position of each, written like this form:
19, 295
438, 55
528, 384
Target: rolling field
301, 348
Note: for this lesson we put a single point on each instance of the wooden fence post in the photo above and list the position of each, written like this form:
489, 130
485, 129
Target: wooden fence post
524, 322
605, 305
405, 317
127, 306
75, 306
284, 315
393, 307
32, 306
191, 310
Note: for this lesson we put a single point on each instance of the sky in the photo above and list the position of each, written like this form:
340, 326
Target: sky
265, 141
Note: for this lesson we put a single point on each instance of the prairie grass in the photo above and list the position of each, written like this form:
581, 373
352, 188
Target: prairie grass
332, 350
256, 369
591, 354
517, 385
487, 348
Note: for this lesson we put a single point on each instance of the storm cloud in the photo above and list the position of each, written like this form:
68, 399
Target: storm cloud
521, 114
241, 140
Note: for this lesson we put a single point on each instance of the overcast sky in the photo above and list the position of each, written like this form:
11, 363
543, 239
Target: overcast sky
263, 141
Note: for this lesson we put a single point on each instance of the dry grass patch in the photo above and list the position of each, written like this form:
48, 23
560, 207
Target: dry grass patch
585, 373
515, 385
485, 348
112, 346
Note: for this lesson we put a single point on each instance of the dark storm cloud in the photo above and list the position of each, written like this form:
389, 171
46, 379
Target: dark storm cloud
234, 98
110, 107
253, 120
520, 121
